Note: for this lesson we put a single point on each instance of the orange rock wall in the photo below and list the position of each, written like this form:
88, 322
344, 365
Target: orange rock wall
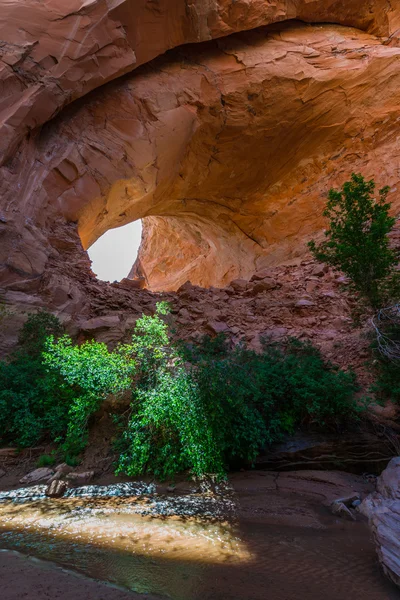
52, 51
225, 148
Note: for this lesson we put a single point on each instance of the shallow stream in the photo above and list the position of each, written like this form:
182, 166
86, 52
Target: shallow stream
185, 549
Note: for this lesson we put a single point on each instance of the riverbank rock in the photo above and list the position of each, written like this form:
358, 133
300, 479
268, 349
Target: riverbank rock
56, 489
343, 506
63, 469
42, 474
357, 452
80, 478
383, 511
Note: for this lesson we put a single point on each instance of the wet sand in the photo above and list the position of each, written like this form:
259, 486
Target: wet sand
285, 545
23, 577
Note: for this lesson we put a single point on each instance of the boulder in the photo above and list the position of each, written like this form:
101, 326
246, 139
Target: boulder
382, 508
217, 327
42, 474
80, 478
56, 489
264, 285
239, 285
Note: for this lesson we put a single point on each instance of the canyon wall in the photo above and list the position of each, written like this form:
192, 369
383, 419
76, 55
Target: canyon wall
52, 52
225, 147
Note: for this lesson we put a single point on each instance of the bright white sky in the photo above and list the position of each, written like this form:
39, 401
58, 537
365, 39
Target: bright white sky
115, 252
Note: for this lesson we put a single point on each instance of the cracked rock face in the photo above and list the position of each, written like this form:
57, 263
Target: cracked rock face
225, 148
52, 52
383, 511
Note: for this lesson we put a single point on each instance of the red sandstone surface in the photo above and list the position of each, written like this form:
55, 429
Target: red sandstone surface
225, 148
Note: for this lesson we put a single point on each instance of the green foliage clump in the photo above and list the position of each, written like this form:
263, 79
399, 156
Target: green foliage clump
357, 239
33, 402
92, 372
251, 398
47, 460
200, 408
167, 430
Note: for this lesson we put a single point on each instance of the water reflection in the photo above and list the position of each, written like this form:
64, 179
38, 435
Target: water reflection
165, 545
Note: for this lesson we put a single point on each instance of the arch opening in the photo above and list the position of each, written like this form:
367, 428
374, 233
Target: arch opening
114, 253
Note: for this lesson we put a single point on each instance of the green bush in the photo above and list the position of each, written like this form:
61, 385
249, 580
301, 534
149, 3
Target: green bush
46, 460
92, 372
251, 398
357, 239
200, 408
167, 430
33, 403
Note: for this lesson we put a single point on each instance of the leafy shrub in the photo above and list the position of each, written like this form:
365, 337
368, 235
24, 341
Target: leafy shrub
252, 398
33, 402
357, 239
46, 460
199, 408
93, 372
167, 430
208, 406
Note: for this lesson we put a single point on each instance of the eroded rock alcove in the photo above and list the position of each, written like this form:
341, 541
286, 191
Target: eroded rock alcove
225, 146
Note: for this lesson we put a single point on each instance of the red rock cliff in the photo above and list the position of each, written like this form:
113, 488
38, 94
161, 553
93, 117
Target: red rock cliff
225, 148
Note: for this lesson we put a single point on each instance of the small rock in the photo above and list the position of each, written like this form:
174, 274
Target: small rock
319, 270
2, 472
349, 500
80, 478
276, 332
340, 509
42, 474
303, 303
261, 275
217, 327
56, 489
265, 285
63, 468
342, 280
239, 285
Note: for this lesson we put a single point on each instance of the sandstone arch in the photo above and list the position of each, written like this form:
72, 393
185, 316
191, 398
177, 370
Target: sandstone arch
231, 144
225, 149
53, 52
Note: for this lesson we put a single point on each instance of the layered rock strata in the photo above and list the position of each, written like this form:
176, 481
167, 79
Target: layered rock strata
53, 52
383, 511
225, 149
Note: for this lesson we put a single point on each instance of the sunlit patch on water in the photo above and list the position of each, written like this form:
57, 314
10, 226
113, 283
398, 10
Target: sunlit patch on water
134, 541
188, 547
